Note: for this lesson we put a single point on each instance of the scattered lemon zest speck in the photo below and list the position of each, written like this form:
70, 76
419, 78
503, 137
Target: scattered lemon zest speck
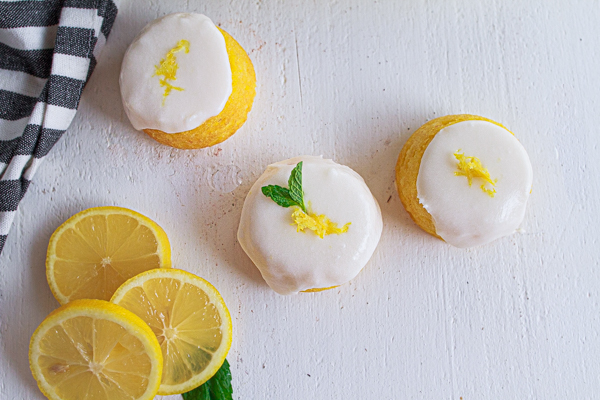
168, 66
319, 224
471, 167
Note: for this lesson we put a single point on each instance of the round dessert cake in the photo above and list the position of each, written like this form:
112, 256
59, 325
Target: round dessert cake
309, 224
187, 83
464, 179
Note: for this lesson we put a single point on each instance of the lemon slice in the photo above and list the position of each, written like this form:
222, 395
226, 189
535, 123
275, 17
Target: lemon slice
93, 349
96, 250
190, 319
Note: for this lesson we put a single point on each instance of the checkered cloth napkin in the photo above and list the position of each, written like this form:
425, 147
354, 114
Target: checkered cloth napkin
48, 50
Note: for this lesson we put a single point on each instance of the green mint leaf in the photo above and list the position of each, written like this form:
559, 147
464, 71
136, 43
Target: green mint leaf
295, 185
294, 196
216, 388
221, 383
279, 195
202, 392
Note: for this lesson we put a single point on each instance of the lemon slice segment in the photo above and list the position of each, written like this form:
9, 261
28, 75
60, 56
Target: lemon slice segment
93, 349
92, 253
190, 320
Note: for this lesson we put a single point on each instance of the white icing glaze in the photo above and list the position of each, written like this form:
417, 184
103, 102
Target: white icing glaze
204, 73
292, 261
466, 216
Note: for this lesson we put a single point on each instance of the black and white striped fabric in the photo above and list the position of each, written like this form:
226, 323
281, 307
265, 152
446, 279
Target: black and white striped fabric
48, 50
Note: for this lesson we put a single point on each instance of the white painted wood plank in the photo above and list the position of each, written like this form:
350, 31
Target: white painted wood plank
517, 319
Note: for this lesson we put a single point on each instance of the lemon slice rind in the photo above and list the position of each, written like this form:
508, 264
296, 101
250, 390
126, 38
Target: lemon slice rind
100, 310
218, 356
163, 249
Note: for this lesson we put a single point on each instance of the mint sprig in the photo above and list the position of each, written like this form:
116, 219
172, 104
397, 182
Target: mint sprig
216, 388
287, 197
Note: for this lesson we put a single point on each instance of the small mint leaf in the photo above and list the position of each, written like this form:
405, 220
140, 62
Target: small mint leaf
216, 388
295, 186
202, 392
220, 387
279, 195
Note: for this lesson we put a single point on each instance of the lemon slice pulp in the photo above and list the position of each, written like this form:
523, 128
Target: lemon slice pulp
96, 250
190, 320
95, 350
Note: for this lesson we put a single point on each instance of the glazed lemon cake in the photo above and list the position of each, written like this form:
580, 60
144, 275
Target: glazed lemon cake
186, 82
464, 179
309, 224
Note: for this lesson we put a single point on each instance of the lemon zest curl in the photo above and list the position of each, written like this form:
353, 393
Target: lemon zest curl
319, 224
472, 168
168, 66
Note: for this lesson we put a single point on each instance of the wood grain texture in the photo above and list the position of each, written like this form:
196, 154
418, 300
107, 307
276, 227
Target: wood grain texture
351, 80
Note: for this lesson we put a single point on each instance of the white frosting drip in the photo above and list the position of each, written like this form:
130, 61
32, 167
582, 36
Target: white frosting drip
291, 261
204, 73
466, 216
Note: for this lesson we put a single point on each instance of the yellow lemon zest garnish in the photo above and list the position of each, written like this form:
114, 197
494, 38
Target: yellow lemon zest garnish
471, 168
319, 224
168, 66
490, 192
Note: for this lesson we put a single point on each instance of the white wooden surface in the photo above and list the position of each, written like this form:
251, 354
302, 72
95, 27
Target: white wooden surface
351, 80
